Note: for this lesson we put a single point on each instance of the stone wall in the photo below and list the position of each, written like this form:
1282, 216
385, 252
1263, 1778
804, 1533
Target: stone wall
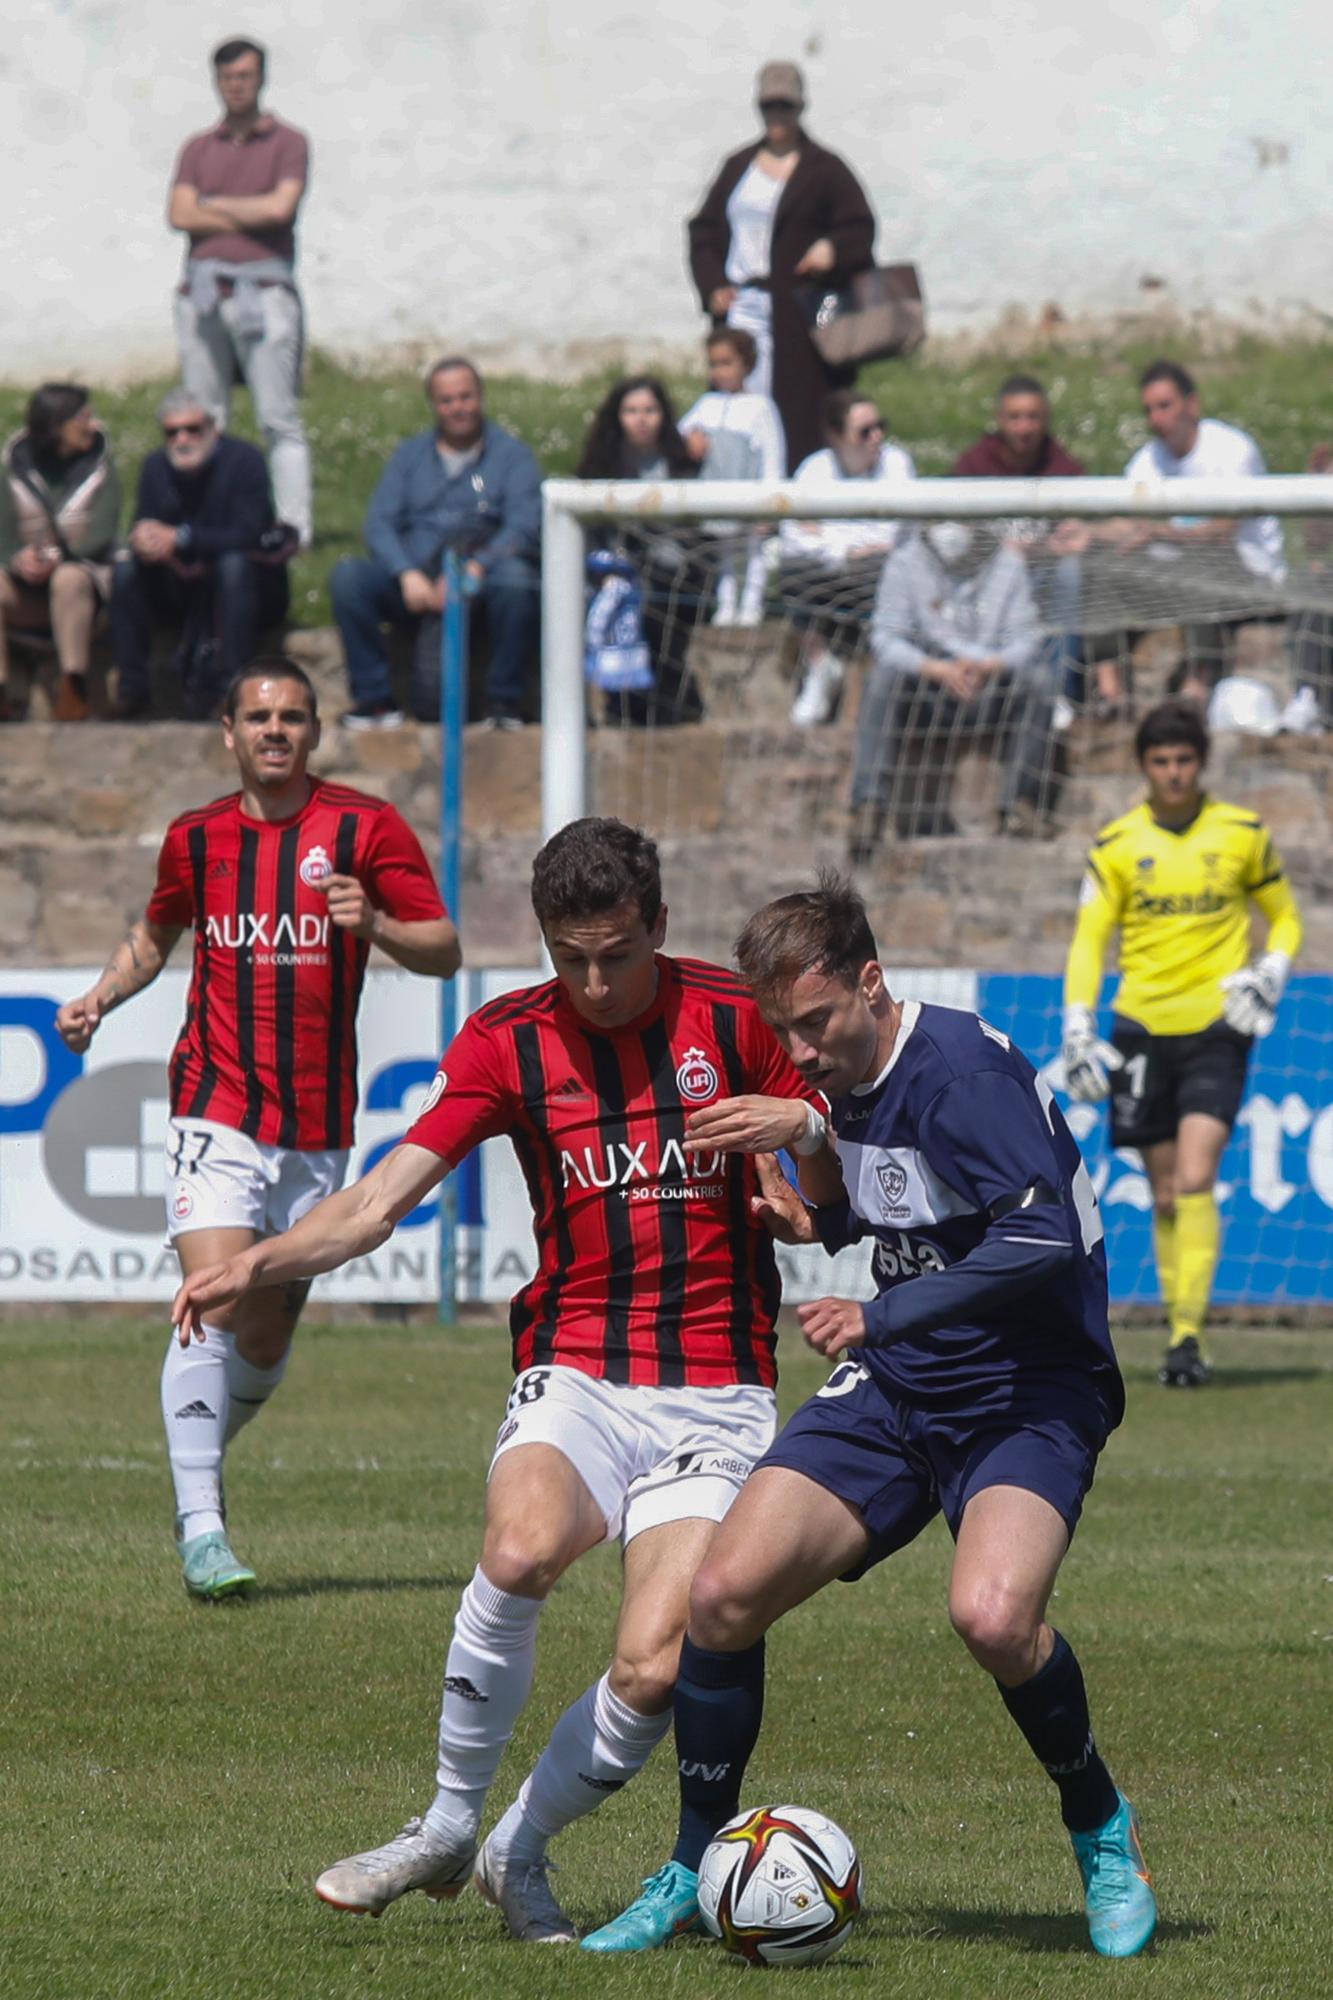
744, 809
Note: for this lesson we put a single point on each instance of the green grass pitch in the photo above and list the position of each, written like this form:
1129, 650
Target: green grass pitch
176, 1775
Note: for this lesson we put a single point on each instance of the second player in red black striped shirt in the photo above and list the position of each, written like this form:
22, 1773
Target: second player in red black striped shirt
284, 883
643, 1345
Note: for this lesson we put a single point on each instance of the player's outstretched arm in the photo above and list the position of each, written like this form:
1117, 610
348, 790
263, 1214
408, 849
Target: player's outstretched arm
133, 965
349, 1224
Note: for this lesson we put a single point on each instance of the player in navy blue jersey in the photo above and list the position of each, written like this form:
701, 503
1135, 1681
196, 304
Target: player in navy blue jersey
979, 1382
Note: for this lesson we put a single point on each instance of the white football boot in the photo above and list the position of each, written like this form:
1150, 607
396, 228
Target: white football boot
523, 1896
367, 1883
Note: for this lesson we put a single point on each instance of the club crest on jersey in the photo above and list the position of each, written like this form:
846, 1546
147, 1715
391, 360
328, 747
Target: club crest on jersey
696, 1079
182, 1205
316, 867
892, 1185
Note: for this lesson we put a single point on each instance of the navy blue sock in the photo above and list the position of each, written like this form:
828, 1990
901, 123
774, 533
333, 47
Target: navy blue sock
719, 1707
1052, 1711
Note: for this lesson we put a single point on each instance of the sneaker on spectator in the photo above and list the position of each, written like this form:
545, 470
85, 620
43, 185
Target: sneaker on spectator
1301, 715
373, 715
505, 719
1062, 715
819, 691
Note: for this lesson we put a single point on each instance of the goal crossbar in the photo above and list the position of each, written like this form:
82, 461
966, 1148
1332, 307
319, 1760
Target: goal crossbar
570, 503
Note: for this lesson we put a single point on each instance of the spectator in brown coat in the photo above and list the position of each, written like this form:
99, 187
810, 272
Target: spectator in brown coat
782, 212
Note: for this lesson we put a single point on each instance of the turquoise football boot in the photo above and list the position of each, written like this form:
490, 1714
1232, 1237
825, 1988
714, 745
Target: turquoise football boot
668, 1907
1122, 1910
210, 1570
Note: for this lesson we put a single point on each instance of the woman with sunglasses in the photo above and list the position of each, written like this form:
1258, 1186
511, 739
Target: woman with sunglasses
59, 512
782, 213
830, 570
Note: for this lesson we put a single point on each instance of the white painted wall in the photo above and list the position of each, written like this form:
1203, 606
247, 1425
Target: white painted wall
514, 174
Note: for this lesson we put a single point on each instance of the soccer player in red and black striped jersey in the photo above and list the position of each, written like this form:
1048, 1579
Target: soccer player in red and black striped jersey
643, 1347
285, 884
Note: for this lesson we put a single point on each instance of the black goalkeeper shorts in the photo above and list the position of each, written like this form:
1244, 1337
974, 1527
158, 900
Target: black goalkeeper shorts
1166, 1076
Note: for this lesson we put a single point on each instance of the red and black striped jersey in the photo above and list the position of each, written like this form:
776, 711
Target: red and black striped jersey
268, 1043
650, 1266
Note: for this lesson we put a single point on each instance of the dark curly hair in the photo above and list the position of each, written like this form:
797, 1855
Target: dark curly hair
592, 866
604, 454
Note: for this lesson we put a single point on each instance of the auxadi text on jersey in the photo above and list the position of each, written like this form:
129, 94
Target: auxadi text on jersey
259, 930
673, 1175
696, 1078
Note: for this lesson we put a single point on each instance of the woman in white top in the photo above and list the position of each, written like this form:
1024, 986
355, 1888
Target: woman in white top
752, 428
782, 214
830, 569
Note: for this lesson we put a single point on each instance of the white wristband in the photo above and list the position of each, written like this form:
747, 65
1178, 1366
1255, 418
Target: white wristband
816, 1133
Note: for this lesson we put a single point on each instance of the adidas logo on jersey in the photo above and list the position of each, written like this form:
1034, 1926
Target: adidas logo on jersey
197, 1410
571, 1087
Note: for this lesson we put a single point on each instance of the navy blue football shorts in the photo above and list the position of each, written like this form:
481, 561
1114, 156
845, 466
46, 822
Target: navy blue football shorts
899, 1466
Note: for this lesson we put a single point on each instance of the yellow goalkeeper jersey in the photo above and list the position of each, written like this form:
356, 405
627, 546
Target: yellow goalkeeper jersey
1180, 901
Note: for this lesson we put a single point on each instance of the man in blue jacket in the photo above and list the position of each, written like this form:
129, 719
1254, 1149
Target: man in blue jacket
469, 486
205, 554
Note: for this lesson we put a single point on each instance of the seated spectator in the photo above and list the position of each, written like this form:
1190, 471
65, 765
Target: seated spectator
830, 569
728, 412
957, 657
634, 435
206, 557
1207, 576
1021, 447
59, 512
466, 486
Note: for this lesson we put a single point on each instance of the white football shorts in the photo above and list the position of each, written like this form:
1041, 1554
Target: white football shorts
647, 1455
218, 1178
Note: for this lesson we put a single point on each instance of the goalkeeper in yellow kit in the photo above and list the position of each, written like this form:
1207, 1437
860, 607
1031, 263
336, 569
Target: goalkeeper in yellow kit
1176, 877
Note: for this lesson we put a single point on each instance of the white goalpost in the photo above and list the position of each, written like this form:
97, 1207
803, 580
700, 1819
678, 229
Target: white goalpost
571, 506
746, 805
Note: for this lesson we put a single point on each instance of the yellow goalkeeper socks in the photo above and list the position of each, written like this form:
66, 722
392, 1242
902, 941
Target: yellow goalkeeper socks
1198, 1232
1164, 1246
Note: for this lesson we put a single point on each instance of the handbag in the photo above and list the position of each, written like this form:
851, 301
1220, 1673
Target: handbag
877, 314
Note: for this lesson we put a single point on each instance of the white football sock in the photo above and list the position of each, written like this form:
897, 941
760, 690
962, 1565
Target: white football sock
487, 1679
595, 1748
195, 1407
249, 1388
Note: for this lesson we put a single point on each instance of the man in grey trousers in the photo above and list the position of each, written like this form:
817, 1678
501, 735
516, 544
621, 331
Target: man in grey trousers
958, 656
234, 196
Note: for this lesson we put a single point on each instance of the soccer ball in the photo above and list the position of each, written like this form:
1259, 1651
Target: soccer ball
780, 1886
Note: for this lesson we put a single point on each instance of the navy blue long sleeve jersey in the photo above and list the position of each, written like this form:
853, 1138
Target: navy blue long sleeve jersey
988, 1258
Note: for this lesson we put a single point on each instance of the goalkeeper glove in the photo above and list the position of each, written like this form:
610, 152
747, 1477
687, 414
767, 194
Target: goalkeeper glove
1086, 1058
1253, 994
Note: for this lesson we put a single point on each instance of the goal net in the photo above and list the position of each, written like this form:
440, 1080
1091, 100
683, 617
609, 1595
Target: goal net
934, 687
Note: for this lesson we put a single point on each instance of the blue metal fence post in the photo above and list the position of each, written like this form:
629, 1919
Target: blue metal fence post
453, 713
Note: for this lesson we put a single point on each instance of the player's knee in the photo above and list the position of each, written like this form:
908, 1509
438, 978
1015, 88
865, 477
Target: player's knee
522, 1562
724, 1614
998, 1630
1164, 1204
645, 1678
